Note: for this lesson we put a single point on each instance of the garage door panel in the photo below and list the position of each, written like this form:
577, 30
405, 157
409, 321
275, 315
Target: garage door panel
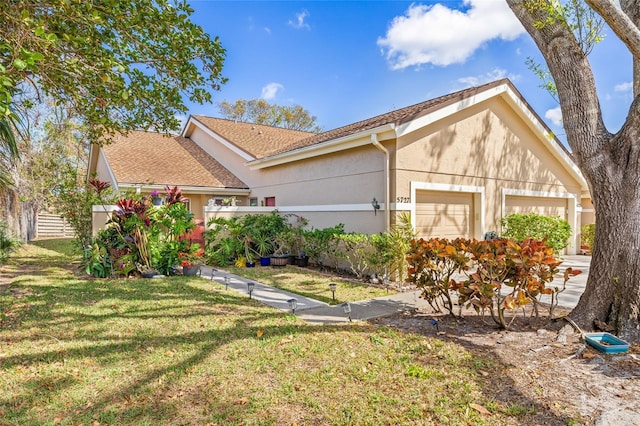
444, 214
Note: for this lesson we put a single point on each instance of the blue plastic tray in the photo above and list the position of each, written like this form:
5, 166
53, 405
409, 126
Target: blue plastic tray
606, 342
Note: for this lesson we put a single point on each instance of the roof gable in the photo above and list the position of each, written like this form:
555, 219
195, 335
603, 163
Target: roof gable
257, 140
148, 157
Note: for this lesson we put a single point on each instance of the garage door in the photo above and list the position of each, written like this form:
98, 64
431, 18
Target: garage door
541, 205
444, 214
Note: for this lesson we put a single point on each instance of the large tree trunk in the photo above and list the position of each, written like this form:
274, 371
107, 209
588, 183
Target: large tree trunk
612, 293
610, 163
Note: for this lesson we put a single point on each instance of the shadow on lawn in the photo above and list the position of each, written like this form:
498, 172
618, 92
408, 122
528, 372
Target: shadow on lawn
61, 305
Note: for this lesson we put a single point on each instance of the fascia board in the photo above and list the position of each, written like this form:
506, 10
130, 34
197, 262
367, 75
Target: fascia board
222, 141
439, 114
521, 108
548, 140
114, 182
189, 189
335, 145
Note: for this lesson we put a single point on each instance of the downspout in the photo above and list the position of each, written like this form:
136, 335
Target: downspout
387, 184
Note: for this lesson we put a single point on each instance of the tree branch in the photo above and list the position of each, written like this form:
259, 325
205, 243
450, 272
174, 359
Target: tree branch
620, 23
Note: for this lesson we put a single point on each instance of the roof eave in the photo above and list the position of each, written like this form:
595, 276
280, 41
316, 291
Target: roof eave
328, 147
144, 187
546, 136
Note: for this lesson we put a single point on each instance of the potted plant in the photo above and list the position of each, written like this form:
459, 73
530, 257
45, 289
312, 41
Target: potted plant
191, 260
156, 199
263, 247
280, 256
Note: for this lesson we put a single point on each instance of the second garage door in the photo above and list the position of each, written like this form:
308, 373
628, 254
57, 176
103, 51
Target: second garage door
444, 214
542, 205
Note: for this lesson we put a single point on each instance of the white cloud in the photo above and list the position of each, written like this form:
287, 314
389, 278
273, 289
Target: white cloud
267, 30
555, 115
493, 75
299, 22
270, 91
624, 87
442, 36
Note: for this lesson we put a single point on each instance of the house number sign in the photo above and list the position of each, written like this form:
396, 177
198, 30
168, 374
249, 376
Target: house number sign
403, 199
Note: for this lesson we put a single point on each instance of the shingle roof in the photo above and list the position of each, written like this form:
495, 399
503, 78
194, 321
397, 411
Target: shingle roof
396, 117
148, 157
257, 140
264, 141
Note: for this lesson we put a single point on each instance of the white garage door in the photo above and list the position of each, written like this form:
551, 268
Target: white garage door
444, 214
542, 205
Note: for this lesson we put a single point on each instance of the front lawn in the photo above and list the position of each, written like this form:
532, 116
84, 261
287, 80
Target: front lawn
182, 350
311, 284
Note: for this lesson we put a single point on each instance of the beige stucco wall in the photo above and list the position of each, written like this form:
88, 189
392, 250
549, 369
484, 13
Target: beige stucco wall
488, 148
99, 217
588, 213
327, 190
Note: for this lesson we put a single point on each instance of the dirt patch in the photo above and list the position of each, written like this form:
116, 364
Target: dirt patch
540, 366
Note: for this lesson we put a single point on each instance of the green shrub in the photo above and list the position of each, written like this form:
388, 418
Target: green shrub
496, 276
555, 230
588, 234
320, 244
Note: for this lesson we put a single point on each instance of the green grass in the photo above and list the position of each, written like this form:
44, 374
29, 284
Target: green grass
311, 284
183, 351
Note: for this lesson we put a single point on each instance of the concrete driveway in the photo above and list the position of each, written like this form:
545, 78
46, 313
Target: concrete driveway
576, 284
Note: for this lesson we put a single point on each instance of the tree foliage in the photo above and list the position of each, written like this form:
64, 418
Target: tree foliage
119, 65
554, 230
259, 111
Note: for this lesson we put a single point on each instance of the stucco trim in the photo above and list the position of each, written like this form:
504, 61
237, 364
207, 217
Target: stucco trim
302, 208
572, 209
479, 200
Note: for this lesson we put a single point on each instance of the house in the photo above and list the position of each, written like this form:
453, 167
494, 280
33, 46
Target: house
458, 164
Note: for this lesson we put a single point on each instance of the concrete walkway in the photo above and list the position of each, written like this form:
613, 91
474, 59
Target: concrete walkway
316, 312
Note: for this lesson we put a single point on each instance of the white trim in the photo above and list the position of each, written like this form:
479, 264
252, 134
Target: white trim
449, 110
232, 147
571, 215
333, 145
114, 182
401, 206
548, 140
311, 208
188, 190
519, 106
479, 201
99, 208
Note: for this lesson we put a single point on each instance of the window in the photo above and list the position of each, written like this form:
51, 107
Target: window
270, 201
253, 202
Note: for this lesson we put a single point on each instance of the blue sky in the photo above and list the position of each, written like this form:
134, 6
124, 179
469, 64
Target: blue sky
346, 61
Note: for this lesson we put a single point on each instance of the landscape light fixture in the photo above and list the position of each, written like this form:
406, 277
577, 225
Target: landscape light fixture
347, 309
332, 286
250, 287
226, 282
293, 304
213, 272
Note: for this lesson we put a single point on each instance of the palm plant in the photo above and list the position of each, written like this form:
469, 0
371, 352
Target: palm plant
8, 150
